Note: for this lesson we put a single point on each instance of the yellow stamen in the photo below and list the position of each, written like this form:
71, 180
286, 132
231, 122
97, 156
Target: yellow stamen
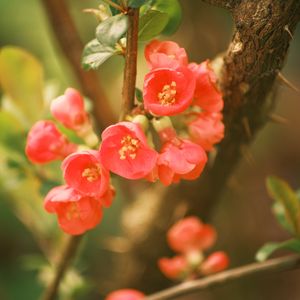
129, 147
92, 174
168, 93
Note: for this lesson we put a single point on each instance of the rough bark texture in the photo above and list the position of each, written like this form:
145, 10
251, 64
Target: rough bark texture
250, 66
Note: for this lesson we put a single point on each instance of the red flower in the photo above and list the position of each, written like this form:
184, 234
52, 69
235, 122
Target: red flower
45, 143
168, 92
216, 262
106, 199
207, 130
84, 172
180, 159
76, 213
125, 294
124, 151
173, 268
190, 234
166, 54
69, 109
207, 95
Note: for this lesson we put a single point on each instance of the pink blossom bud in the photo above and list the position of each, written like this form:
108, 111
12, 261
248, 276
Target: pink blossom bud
173, 268
45, 143
165, 54
190, 234
69, 109
125, 294
216, 262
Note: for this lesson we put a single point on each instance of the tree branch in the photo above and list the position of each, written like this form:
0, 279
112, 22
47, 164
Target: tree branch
72, 47
128, 93
69, 251
291, 262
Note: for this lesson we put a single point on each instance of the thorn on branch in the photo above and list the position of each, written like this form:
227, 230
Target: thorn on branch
287, 82
286, 28
278, 119
247, 128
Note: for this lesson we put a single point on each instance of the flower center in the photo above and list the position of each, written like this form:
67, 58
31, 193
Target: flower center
72, 212
92, 173
129, 147
168, 93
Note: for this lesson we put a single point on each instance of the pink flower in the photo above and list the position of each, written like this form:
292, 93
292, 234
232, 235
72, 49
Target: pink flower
190, 234
45, 143
207, 95
76, 213
207, 130
84, 172
173, 268
125, 294
180, 159
69, 109
216, 262
166, 54
168, 92
124, 151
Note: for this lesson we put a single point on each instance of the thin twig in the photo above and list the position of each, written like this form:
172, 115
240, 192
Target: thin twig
290, 262
128, 92
65, 259
71, 45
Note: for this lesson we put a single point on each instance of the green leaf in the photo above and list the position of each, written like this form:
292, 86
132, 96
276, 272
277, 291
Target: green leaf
137, 3
95, 54
109, 32
21, 78
265, 251
281, 192
152, 24
173, 9
139, 95
279, 212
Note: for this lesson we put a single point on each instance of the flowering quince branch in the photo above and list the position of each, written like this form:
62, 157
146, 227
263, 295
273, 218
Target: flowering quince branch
290, 262
130, 70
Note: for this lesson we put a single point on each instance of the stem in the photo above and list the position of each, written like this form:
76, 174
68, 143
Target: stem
274, 265
115, 5
65, 259
71, 45
128, 93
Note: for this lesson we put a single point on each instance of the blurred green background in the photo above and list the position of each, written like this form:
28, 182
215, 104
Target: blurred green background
243, 218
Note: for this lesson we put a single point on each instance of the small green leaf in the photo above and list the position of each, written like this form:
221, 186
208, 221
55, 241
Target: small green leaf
279, 212
139, 95
21, 78
281, 192
95, 54
137, 3
109, 32
265, 251
152, 23
173, 9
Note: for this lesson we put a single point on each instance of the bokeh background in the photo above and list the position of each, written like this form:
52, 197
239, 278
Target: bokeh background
243, 217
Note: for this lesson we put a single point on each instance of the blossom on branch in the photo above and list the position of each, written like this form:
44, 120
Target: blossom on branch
125, 294
45, 143
76, 213
124, 150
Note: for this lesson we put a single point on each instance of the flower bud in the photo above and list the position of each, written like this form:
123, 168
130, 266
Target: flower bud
216, 262
125, 294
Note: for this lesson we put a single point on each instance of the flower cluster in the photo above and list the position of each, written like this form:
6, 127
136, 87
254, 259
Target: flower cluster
79, 203
180, 115
173, 87
189, 238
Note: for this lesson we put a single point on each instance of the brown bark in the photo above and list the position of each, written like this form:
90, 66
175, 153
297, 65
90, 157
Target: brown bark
255, 56
71, 45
